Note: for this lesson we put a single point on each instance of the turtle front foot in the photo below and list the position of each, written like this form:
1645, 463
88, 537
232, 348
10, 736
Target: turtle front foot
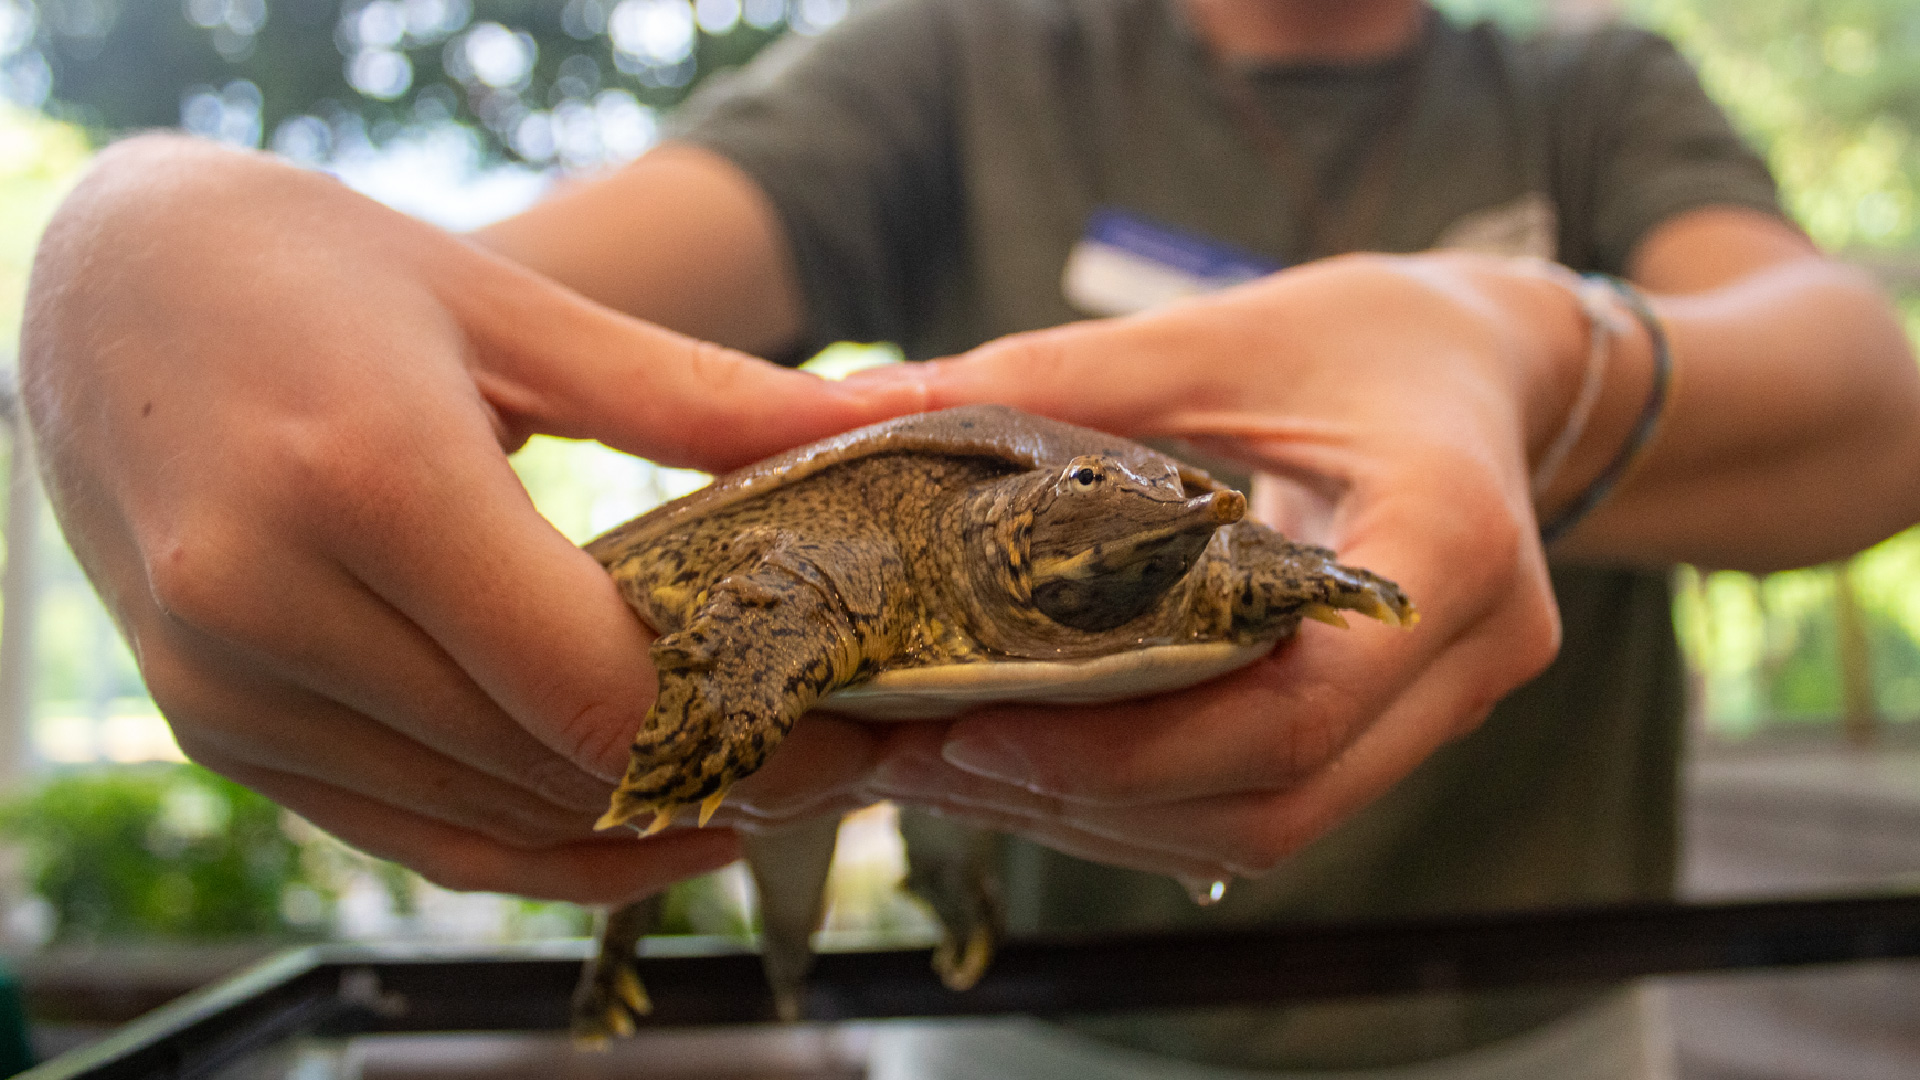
733, 680
610, 999
1349, 588
1274, 583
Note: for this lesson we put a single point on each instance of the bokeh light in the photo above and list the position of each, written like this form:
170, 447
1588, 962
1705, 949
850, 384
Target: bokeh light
381, 74
499, 57
814, 16
717, 17
656, 32
230, 115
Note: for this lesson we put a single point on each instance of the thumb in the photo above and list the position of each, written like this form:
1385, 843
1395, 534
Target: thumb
1120, 375
552, 362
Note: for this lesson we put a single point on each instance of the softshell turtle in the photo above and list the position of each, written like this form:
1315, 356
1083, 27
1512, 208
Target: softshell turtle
912, 569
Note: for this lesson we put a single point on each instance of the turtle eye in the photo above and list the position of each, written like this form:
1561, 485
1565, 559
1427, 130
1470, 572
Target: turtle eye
1085, 476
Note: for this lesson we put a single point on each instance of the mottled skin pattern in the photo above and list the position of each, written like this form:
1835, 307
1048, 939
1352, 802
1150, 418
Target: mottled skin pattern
952, 538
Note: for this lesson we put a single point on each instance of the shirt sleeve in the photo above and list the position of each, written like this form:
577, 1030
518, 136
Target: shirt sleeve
1642, 143
849, 136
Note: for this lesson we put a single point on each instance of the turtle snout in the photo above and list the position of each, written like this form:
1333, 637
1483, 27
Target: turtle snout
1220, 507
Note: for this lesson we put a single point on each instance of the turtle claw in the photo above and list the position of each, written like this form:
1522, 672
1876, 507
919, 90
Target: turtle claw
712, 803
961, 966
1394, 610
1366, 593
607, 1005
1325, 614
610, 999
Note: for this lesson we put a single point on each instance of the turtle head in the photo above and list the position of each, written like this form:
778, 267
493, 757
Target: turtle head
1107, 543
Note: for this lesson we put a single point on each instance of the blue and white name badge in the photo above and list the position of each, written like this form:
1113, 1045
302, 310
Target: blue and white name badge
1125, 263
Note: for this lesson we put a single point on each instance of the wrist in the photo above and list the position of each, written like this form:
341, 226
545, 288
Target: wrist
1636, 343
1583, 368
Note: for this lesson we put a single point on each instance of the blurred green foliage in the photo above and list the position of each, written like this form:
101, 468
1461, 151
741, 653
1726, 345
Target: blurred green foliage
39, 161
1831, 89
156, 851
119, 65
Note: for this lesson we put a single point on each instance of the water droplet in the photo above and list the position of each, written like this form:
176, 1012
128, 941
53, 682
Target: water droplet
1205, 892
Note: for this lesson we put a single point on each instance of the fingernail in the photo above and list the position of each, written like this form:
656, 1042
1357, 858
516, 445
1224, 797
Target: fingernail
907, 774
992, 758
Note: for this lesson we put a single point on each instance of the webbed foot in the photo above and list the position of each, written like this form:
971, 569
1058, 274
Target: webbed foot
766, 645
961, 963
954, 869
610, 999
1275, 582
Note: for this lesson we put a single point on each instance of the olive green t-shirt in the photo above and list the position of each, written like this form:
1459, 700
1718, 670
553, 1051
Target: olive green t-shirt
933, 163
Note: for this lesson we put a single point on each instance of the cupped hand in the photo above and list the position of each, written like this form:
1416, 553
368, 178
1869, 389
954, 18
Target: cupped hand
1388, 408
275, 418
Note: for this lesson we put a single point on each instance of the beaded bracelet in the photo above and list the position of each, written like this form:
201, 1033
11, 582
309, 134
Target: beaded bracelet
1602, 485
1603, 321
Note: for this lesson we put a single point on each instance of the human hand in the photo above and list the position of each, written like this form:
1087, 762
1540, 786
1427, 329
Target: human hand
275, 418
1389, 408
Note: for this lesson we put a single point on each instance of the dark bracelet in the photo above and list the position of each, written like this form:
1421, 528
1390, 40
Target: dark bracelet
1597, 491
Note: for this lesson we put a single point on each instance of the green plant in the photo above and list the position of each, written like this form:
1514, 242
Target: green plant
158, 851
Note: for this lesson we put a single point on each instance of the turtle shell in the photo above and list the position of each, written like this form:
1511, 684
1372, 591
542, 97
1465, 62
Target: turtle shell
1024, 441
1000, 432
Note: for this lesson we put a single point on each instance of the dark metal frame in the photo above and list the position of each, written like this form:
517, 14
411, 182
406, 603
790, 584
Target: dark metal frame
344, 990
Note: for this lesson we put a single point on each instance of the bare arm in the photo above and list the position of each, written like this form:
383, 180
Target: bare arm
1794, 422
680, 237
1401, 402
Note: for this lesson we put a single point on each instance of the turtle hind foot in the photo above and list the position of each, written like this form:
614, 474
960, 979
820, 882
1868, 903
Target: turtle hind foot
607, 1004
610, 999
960, 965
954, 870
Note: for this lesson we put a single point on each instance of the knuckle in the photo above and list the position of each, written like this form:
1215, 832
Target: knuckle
197, 576
1323, 723
1041, 356
201, 750
1272, 842
596, 735
196, 706
349, 474
170, 681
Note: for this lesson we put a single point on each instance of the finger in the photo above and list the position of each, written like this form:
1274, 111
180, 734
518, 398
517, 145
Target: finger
1249, 834
1141, 367
820, 763
1069, 839
554, 362
595, 871
348, 646
1245, 834
450, 541
912, 771
1289, 714
227, 721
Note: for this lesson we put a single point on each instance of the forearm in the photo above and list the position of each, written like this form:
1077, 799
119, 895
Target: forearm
681, 238
1790, 434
